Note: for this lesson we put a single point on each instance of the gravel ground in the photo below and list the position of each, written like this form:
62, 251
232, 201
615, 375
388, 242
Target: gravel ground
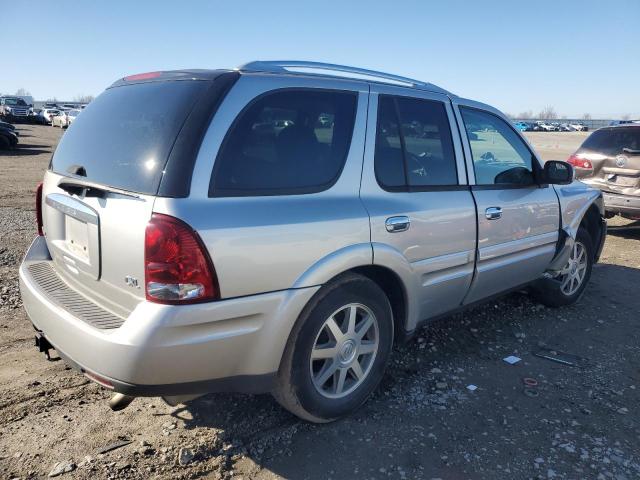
423, 422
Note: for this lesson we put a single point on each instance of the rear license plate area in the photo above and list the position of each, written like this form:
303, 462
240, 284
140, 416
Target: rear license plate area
73, 235
77, 238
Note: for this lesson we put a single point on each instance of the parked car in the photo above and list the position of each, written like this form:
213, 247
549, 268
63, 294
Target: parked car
10, 126
609, 159
45, 116
183, 251
71, 116
15, 109
59, 119
545, 127
622, 122
522, 126
579, 127
8, 136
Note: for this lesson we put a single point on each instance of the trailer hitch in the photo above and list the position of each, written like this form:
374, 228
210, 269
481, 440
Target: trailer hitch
43, 345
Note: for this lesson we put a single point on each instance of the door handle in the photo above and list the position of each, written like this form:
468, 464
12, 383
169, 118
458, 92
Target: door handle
397, 224
493, 213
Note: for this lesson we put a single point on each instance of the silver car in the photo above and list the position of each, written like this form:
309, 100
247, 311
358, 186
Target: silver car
277, 227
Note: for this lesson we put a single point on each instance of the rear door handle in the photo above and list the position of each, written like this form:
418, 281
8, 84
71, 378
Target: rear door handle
397, 224
493, 213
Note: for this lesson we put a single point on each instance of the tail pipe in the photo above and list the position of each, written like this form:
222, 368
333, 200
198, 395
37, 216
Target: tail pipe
120, 401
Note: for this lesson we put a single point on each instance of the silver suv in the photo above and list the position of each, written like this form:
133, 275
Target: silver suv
275, 228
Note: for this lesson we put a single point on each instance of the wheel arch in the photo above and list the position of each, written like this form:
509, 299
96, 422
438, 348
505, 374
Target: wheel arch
396, 293
593, 222
380, 263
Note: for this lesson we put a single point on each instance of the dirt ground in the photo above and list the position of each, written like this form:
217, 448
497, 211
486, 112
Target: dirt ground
556, 145
579, 421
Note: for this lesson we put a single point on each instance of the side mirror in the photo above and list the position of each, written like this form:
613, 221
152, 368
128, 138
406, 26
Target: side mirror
557, 172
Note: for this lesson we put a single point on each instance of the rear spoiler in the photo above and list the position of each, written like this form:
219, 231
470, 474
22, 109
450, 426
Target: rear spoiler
168, 76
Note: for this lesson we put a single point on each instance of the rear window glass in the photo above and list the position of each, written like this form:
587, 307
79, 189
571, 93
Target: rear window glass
124, 137
614, 141
286, 142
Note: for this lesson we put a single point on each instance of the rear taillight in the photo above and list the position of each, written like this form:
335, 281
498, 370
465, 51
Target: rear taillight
39, 209
177, 266
579, 162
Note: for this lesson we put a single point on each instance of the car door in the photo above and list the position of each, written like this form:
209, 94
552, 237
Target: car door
518, 218
414, 187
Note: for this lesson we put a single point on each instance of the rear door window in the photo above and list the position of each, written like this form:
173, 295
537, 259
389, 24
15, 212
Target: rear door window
500, 157
286, 142
414, 148
124, 139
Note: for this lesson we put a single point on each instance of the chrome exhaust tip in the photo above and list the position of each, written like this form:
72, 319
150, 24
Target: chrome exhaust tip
120, 401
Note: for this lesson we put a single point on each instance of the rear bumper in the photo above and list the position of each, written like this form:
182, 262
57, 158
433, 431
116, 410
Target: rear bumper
623, 204
229, 345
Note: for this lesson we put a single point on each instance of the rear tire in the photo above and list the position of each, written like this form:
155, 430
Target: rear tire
567, 287
337, 351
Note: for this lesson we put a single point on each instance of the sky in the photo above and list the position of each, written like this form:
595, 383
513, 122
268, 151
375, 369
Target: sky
517, 55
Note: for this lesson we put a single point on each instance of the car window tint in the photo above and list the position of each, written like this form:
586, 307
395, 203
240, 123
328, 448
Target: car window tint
125, 138
420, 153
389, 161
286, 142
427, 141
612, 141
499, 154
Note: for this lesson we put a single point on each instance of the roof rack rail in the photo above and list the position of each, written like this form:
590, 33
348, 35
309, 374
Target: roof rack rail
280, 66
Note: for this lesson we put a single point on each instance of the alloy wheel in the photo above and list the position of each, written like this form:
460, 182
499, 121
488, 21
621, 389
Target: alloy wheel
573, 274
344, 350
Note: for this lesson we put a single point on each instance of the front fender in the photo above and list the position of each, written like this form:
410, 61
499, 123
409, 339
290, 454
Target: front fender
575, 200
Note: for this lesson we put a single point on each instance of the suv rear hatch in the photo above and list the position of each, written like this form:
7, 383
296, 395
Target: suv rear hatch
134, 142
610, 160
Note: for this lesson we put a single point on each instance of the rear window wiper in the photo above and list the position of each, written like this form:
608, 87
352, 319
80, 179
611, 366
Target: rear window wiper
630, 150
76, 186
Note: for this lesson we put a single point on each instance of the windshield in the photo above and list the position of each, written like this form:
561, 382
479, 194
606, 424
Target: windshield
15, 101
124, 139
613, 141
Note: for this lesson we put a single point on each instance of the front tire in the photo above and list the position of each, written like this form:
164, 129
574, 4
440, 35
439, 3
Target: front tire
337, 351
567, 287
